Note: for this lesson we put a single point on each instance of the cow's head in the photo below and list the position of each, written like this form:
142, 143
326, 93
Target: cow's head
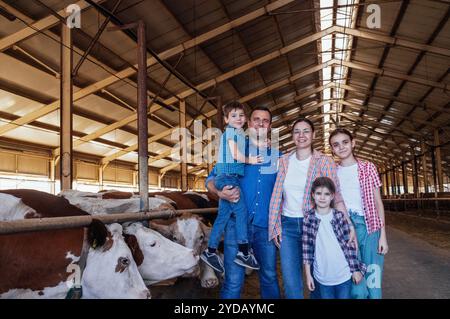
157, 257
111, 271
187, 230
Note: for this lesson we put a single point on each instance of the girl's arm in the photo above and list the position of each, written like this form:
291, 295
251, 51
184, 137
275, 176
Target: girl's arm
309, 278
238, 156
383, 247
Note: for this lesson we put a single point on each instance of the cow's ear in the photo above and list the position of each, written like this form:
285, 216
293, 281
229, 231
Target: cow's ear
162, 229
206, 230
97, 233
136, 251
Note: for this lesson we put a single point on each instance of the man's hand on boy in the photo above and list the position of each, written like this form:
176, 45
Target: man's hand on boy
357, 277
255, 159
229, 193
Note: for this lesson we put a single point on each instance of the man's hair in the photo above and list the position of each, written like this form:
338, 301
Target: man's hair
230, 106
324, 182
262, 108
340, 130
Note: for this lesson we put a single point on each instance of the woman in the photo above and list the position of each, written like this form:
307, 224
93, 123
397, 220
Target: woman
360, 186
291, 199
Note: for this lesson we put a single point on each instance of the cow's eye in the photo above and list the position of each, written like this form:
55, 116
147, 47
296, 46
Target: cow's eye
153, 244
201, 237
124, 261
174, 238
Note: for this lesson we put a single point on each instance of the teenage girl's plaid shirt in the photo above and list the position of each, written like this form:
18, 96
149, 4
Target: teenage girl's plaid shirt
369, 180
341, 229
320, 165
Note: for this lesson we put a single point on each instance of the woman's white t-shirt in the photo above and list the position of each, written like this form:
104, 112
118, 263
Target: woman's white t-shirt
350, 189
294, 186
330, 266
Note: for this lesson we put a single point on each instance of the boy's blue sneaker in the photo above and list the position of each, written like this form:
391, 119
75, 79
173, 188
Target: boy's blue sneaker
248, 261
213, 260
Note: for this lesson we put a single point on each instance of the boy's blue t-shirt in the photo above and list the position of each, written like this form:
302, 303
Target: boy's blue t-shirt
226, 164
257, 183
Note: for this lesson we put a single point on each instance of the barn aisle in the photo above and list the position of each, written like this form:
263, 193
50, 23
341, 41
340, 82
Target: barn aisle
415, 269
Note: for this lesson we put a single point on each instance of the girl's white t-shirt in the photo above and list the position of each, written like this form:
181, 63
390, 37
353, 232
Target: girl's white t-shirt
350, 189
330, 266
294, 186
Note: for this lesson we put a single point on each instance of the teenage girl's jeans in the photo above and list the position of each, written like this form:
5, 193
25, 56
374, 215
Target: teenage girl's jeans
291, 256
370, 286
226, 209
341, 291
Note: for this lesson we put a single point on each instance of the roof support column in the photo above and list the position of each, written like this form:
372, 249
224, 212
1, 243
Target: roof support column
183, 149
415, 176
388, 183
209, 145
405, 178
66, 98
142, 116
424, 166
440, 177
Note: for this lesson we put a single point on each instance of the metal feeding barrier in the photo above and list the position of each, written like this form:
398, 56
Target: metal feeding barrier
53, 223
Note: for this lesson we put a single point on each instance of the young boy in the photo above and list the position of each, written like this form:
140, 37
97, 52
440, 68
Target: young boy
229, 168
325, 246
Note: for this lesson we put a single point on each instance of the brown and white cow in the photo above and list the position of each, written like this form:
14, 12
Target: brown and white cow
35, 264
158, 258
190, 231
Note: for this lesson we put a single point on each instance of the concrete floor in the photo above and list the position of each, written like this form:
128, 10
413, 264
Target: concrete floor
413, 269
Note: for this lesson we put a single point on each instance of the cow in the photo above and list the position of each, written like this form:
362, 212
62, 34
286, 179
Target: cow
36, 264
190, 231
158, 258
111, 202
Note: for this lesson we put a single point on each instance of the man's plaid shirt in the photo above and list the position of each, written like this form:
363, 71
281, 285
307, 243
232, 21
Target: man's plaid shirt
341, 229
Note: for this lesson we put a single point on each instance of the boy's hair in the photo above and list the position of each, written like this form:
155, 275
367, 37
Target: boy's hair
262, 108
230, 106
340, 130
324, 182
303, 119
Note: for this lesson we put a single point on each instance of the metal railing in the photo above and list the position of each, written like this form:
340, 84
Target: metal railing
53, 223
435, 206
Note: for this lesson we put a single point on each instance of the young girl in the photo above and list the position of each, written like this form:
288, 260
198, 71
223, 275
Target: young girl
325, 239
360, 186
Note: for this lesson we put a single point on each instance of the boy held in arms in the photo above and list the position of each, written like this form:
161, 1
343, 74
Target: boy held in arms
229, 169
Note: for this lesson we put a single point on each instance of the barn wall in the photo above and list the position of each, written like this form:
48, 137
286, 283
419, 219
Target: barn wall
19, 170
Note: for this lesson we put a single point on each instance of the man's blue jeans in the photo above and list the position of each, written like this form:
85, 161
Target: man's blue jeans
226, 209
266, 254
341, 291
370, 286
291, 256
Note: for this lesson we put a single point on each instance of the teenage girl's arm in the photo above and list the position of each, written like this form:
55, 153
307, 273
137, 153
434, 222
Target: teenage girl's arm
238, 156
331, 172
383, 247
309, 278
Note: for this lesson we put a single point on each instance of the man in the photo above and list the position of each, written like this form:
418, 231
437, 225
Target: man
257, 185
